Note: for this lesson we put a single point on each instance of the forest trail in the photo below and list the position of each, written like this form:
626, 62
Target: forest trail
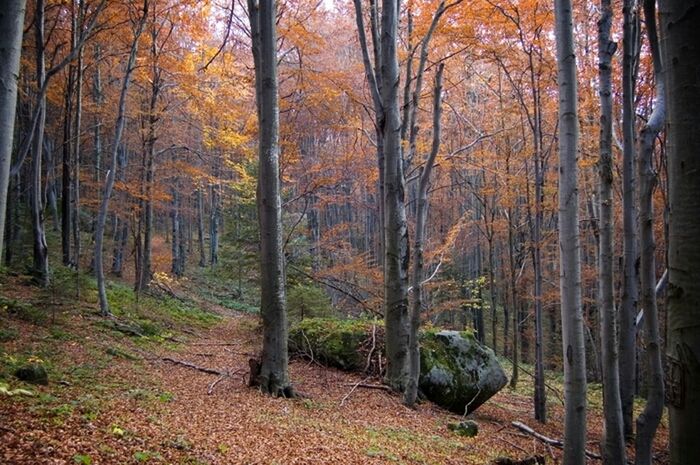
114, 399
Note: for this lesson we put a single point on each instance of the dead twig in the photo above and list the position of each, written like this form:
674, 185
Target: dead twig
227, 374
547, 440
210, 371
370, 386
210, 390
342, 401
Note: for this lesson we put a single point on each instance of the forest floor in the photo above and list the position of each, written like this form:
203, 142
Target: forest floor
113, 398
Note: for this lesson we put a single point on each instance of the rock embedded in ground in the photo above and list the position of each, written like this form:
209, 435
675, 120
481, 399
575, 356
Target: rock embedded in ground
33, 373
457, 372
468, 428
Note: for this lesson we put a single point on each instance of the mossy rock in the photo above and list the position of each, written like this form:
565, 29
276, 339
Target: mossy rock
331, 341
468, 428
33, 373
457, 372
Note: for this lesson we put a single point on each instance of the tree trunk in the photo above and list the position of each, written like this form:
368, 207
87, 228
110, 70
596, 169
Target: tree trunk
569, 248
680, 19
109, 181
200, 227
628, 305
76, 145
41, 255
12, 24
395, 228
648, 420
411, 391
613, 444
273, 377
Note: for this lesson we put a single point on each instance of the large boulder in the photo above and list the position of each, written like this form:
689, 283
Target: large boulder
457, 372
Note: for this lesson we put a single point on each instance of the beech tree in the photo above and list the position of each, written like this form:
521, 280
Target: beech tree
411, 391
12, 25
569, 248
630, 289
614, 442
111, 174
681, 53
273, 376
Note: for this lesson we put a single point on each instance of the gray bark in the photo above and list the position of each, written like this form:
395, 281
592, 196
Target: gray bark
628, 304
200, 227
373, 76
12, 24
411, 390
41, 255
109, 181
613, 444
396, 255
569, 242
681, 46
648, 420
273, 377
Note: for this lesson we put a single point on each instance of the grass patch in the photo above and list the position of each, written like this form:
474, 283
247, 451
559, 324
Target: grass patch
23, 311
8, 334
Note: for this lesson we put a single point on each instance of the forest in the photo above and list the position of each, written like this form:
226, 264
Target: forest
353, 232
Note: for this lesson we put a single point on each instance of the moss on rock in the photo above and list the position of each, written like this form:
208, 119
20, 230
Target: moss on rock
457, 372
332, 341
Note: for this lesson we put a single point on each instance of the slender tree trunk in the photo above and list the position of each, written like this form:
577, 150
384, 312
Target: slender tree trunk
109, 181
76, 144
680, 19
41, 255
66, 183
648, 420
214, 225
12, 24
513, 299
628, 305
411, 391
613, 445
570, 260
273, 377
492, 289
200, 227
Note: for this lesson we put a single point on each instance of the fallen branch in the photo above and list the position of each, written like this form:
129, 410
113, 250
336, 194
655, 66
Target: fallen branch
210, 390
210, 371
212, 343
547, 440
342, 401
370, 386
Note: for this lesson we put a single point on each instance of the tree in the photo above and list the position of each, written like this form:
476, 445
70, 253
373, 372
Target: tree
111, 174
681, 53
273, 377
614, 442
396, 254
630, 291
649, 419
569, 248
12, 23
411, 390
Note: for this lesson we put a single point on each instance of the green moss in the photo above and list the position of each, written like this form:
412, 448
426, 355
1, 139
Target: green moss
333, 341
8, 334
23, 311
